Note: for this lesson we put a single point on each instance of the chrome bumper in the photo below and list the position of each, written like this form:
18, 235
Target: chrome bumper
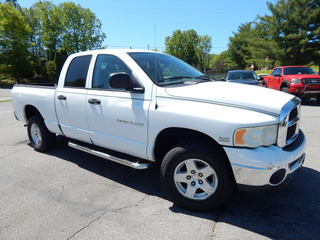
266, 179
266, 168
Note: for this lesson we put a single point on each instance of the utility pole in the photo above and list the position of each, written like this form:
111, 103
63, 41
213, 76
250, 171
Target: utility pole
205, 63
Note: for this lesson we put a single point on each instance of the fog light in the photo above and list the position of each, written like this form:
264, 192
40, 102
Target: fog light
278, 177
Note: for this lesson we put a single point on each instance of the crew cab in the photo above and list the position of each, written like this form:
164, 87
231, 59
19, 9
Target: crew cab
138, 108
301, 81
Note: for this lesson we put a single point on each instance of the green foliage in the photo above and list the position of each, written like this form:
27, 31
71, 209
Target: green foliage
81, 29
296, 30
239, 46
217, 62
289, 36
189, 47
203, 50
14, 32
37, 40
51, 69
183, 45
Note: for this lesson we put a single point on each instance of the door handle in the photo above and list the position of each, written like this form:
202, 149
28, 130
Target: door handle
62, 97
94, 101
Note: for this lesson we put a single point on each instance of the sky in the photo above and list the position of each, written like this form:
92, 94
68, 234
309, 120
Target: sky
144, 24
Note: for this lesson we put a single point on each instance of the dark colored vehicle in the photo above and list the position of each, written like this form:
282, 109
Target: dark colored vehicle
242, 76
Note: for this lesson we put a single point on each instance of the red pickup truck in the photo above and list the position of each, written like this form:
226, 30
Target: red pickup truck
301, 81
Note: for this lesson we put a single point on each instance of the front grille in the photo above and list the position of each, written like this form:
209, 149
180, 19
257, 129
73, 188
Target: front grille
293, 114
291, 131
311, 80
289, 122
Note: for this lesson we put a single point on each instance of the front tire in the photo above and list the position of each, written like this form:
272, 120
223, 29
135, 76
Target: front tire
41, 139
264, 84
196, 177
285, 89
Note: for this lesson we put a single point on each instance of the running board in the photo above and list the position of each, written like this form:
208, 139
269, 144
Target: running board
135, 165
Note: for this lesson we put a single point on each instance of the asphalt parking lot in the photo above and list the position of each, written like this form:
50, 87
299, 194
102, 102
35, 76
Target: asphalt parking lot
68, 194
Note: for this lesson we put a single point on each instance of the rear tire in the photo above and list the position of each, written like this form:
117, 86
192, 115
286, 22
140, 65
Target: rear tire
318, 99
196, 177
41, 139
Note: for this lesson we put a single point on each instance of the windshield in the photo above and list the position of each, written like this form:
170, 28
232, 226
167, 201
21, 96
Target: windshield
242, 76
298, 70
164, 69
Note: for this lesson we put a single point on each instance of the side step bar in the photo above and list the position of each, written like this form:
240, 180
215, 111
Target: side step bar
135, 165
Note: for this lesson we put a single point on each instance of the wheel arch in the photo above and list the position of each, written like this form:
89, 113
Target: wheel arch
30, 111
264, 83
170, 137
285, 83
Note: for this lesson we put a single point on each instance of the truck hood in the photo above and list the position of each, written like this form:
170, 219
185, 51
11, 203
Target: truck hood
302, 76
250, 82
254, 98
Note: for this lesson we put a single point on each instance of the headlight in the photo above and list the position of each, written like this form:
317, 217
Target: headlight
256, 136
295, 80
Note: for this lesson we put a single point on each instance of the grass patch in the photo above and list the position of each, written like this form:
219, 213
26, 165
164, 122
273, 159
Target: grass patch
5, 101
7, 82
264, 72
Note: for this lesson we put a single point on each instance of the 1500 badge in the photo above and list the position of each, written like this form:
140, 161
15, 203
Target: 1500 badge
130, 123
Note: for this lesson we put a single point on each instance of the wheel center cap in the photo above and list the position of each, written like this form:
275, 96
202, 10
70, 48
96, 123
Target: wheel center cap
195, 177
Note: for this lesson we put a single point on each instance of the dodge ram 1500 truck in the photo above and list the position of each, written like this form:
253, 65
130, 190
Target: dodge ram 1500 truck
141, 107
301, 81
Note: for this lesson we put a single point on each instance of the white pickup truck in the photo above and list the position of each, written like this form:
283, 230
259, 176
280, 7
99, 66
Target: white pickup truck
141, 107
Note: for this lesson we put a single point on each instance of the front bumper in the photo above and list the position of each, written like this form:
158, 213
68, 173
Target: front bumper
266, 168
305, 91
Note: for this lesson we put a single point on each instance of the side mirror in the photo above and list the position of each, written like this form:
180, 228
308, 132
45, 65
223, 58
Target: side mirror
122, 80
277, 75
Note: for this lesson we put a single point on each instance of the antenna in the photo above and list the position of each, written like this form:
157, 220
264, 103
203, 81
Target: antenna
155, 37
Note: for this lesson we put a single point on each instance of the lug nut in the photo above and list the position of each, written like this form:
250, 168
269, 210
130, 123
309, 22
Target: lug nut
193, 171
200, 175
200, 182
193, 183
188, 177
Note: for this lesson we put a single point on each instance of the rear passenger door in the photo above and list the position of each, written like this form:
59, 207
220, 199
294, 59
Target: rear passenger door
71, 100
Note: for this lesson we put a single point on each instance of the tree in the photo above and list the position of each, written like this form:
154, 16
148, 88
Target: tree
36, 49
203, 49
183, 46
14, 33
51, 28
264, 51
57, 31
190, 47
14, 2
81, 30
238, 50
295, 28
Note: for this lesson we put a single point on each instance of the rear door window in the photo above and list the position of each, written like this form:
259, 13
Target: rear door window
77, 72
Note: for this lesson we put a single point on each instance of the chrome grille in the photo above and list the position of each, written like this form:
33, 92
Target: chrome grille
311, 80
289, 122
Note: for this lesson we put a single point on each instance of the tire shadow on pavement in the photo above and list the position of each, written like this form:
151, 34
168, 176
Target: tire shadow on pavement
292, 213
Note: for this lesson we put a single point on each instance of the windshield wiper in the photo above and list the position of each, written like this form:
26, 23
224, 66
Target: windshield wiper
172, 78
203, 77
